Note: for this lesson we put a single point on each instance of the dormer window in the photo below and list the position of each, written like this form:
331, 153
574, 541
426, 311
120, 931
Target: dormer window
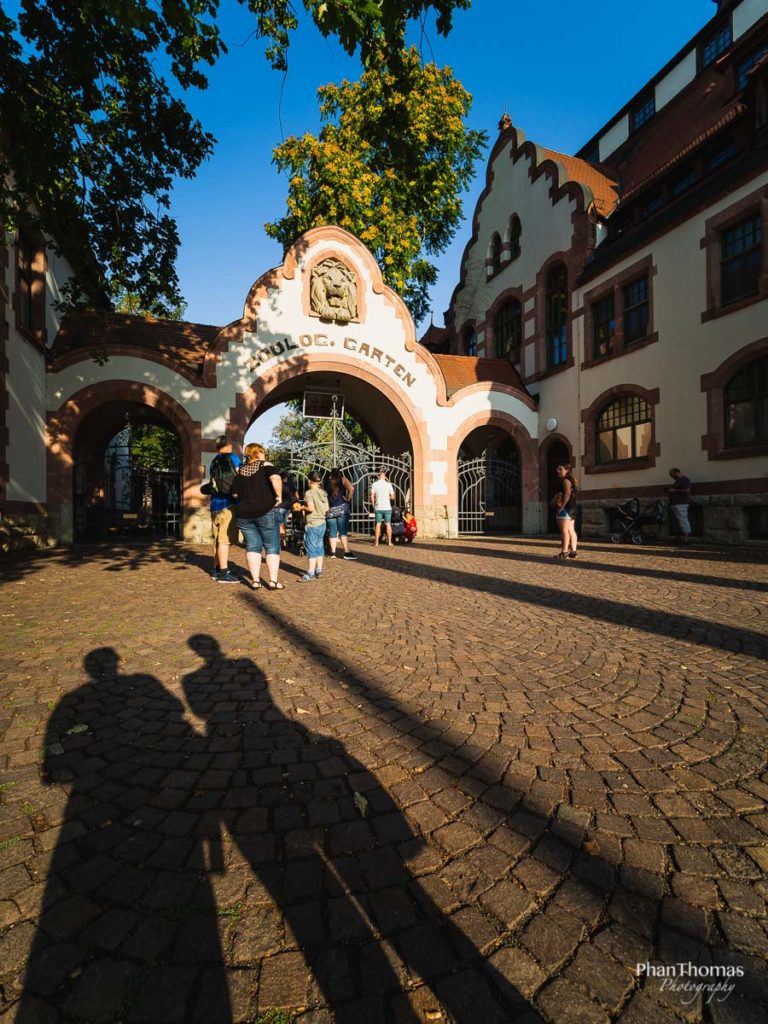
715, 45
642, 112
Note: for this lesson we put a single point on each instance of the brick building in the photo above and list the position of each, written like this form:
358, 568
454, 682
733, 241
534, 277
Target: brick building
627, 285
611, 311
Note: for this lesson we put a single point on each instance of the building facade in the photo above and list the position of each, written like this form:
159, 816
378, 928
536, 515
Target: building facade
611, 312
628, 284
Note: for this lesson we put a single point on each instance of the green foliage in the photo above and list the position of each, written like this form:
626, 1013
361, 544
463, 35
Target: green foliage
390, 163
130, 303
294, 429
154, 447
276, 1016
93, 135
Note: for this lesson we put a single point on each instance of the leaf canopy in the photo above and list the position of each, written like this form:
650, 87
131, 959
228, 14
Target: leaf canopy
93, 133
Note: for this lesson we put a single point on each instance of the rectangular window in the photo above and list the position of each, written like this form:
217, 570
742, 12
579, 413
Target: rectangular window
715, 45
641, 113
603, 327
684, 182
721, 155
654, 203
636, 311
741, 260
745, 66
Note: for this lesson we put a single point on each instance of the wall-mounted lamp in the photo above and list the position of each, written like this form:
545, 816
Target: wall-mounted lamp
551, 423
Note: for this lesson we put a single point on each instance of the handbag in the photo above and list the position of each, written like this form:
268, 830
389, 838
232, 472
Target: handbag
337, 512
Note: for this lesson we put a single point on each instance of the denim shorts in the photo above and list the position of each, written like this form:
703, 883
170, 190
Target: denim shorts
263, 532
283, 514
313, 540
563, 514
339, 527
382, 516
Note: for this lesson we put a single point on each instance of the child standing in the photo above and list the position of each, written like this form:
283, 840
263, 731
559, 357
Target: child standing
315, 505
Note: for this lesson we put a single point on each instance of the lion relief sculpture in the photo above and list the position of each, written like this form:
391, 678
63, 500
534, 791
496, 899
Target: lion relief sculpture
333, 291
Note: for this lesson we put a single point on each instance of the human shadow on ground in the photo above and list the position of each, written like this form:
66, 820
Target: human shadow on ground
128, 921
328, 846
551, 872
588, 564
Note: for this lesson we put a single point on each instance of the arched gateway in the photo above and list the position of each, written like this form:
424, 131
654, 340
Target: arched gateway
324, 320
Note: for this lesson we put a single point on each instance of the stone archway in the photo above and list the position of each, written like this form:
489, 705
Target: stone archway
63, 427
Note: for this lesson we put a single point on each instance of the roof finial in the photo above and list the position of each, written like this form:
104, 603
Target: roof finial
506, 120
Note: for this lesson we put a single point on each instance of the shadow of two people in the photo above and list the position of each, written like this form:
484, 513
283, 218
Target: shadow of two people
129, 924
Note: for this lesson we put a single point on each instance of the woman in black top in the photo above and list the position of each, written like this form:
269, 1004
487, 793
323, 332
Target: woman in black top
565, 504
258, 490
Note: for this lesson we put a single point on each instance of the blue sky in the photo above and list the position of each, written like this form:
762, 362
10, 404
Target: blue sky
561, 68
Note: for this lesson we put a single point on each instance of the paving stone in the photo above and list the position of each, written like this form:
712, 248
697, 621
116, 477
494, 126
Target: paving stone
589, 785
102, 991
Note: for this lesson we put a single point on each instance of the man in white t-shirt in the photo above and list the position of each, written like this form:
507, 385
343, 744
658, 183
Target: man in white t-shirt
382, 496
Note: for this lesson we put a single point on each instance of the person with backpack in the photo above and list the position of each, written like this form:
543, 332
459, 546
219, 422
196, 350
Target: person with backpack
223, 469
258, 490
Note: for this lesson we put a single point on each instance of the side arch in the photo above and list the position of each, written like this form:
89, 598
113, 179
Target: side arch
62, 426
526, 444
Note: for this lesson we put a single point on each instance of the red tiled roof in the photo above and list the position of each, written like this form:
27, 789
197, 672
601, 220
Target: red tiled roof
175, 341
603, 188
461, 371
691, 117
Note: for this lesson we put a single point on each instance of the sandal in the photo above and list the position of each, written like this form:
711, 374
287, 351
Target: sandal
571, 554
254, 584
561, 554
275, 585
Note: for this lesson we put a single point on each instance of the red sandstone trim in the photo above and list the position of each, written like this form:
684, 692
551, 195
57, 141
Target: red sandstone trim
753, 485
589, 418
713, 385
527, 445
63, 424
756, 201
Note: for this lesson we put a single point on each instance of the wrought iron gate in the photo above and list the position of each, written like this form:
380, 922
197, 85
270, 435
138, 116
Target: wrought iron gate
113, 496
490, 497
360, 465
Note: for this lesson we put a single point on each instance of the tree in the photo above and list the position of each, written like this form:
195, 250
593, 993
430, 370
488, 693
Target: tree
155, 448
92, 135
293, 428
390, 163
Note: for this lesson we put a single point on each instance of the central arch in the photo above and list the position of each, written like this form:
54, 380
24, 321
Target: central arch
288, 379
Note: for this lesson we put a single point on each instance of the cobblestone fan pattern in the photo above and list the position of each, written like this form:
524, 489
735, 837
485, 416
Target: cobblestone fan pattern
459, 782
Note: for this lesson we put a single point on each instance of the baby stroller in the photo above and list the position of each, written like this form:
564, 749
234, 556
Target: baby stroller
295, 531
404, 527
632, 520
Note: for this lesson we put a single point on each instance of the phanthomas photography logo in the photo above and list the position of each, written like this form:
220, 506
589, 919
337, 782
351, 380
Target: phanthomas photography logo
714, 982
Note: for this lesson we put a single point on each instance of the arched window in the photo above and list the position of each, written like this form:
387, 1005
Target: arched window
494, 253
557, 316
746, 404
624, 430
508, 331
514, 231
470, 342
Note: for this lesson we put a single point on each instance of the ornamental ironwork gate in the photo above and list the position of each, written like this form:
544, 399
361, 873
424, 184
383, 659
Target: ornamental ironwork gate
490, 496
114, 496
360, 465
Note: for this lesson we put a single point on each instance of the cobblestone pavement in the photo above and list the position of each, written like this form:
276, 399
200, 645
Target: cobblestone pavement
453, 782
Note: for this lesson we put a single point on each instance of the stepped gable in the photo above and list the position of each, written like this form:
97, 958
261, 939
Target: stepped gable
695, 115
462, 371
602, 187
176, 343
